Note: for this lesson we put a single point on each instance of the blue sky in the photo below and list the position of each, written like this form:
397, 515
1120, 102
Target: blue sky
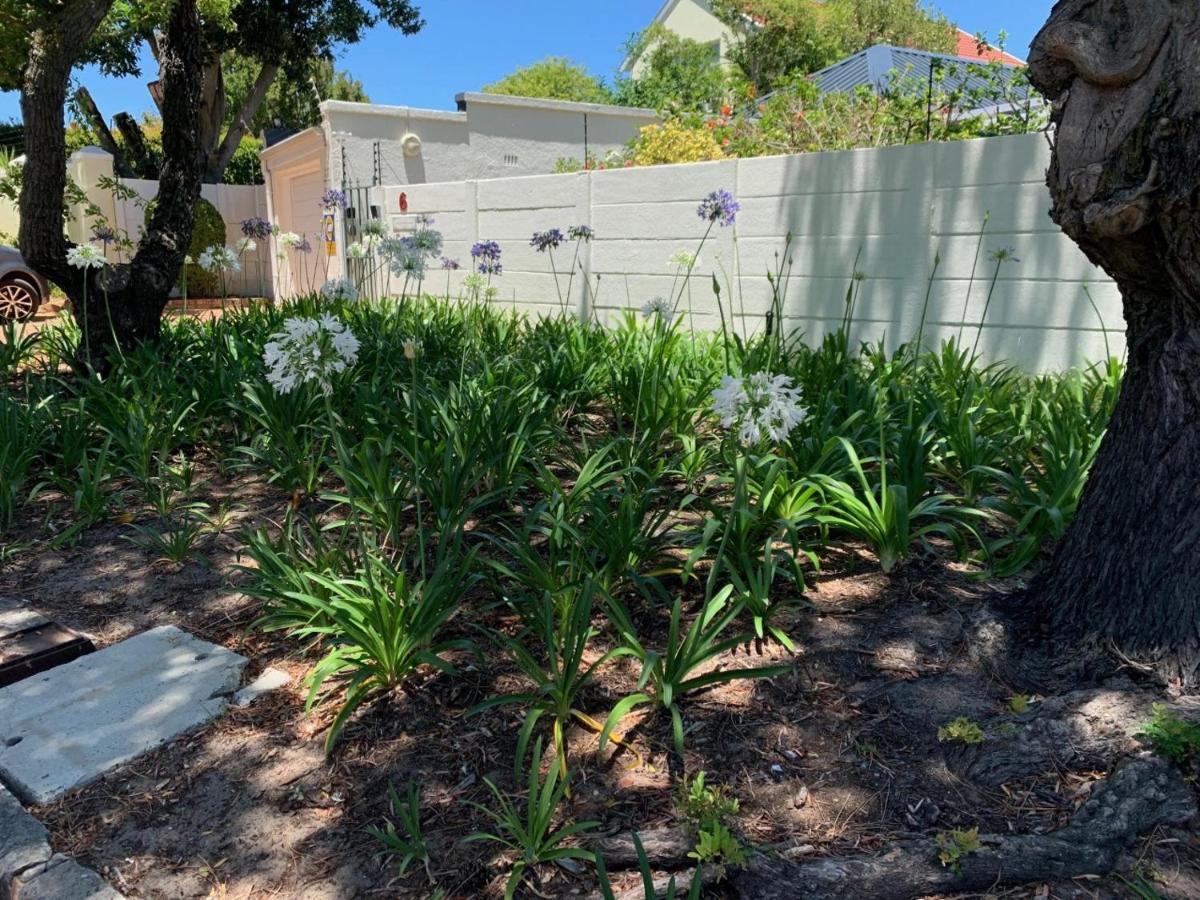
467, 43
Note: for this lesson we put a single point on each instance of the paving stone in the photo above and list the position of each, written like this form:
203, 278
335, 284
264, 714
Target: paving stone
67, 727
24, 841
64, 879
270, 680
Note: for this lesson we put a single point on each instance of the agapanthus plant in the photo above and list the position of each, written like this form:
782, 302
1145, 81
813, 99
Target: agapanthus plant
218, 258
758, 406
309, 351
333, 199
339, 289
547, 240
719, 207
487, 258
658, 308
257, 228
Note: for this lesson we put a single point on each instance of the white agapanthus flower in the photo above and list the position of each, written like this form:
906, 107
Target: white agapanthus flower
759, 406
245, 245
357, 250
309, 350
219, 259
659, 307
85, 256
339, 289
684, 260
411, 347
289, 239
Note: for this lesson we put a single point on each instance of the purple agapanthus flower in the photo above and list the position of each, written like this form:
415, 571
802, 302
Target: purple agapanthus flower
451, 265
547, 240
719, 206
580, 233
257, 228
487, 257
304, 246
424, 220
104, 234
333, 199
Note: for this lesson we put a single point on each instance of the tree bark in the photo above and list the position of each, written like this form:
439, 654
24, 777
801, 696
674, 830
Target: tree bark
1125, 81
138, 153
95, 120
1141, 795
219, 159
124, 303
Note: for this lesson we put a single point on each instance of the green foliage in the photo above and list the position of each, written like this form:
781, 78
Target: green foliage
532, 835
673, 142
409, 846
717, 845
704, 804
671, 673
962, 730
1018, 704
292, 101
677, 75
380, 626
954, 845
1171, 735
777, 40
554, 78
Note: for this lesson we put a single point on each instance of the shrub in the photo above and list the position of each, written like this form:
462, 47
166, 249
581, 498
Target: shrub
209, 230
674, 142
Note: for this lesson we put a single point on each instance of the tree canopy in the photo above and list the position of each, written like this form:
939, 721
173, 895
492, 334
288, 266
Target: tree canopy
553, 78
679, 75
775, 40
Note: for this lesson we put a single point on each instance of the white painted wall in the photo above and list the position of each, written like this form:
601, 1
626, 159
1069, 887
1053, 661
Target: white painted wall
899, 206
495, 137
235, 203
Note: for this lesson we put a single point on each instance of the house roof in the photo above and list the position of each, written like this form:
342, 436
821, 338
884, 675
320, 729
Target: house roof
969, 47
661, 16
875, 66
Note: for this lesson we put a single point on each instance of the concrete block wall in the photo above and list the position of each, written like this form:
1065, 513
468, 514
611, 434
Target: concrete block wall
886, 213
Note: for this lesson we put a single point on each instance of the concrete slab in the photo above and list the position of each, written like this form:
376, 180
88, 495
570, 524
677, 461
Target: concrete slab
63, 879
270, 680
24, 841
67, 727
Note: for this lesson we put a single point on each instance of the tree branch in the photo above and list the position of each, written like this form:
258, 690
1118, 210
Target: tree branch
96, 122
219, 160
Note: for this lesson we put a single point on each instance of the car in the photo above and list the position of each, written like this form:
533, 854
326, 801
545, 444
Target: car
22, 290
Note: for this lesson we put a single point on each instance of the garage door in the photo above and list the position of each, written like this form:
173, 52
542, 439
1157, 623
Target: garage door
308, 271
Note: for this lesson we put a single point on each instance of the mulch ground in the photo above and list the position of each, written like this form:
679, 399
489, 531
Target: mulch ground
837, 758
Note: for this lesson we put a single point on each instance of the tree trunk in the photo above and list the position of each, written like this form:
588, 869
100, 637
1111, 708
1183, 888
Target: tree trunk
137, 152
1125, 81
124, 303
95, 120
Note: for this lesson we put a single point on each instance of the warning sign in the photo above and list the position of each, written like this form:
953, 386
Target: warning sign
327, 228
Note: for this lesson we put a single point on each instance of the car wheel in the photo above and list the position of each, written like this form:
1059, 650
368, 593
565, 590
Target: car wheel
18, 299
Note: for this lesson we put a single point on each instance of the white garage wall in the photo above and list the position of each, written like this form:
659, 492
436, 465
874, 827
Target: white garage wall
894, 209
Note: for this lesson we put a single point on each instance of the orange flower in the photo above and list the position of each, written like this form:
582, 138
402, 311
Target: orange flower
727, 110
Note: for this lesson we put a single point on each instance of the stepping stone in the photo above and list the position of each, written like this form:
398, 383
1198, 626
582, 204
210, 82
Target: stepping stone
67, 727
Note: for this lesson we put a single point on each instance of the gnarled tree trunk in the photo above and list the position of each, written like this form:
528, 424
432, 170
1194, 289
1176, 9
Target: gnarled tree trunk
124, 302
1124, 76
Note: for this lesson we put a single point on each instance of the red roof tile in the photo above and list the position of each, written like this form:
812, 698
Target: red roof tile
968, 46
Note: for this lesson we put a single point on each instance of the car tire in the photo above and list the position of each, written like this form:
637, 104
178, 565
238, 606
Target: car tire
19, 299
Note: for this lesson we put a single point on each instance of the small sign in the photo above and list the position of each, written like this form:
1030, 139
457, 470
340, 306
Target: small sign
403, 202
328, 229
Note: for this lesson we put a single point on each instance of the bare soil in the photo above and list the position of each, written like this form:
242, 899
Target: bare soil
836, 759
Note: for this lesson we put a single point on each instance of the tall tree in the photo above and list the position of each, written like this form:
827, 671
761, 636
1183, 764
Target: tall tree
554, 78
1125, 81
776, 40
291, 102
126, 301
678, 75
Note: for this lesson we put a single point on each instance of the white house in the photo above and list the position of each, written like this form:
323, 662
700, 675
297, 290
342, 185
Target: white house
361, 145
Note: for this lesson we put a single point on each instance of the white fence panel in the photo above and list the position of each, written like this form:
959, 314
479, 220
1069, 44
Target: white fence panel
913, 221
